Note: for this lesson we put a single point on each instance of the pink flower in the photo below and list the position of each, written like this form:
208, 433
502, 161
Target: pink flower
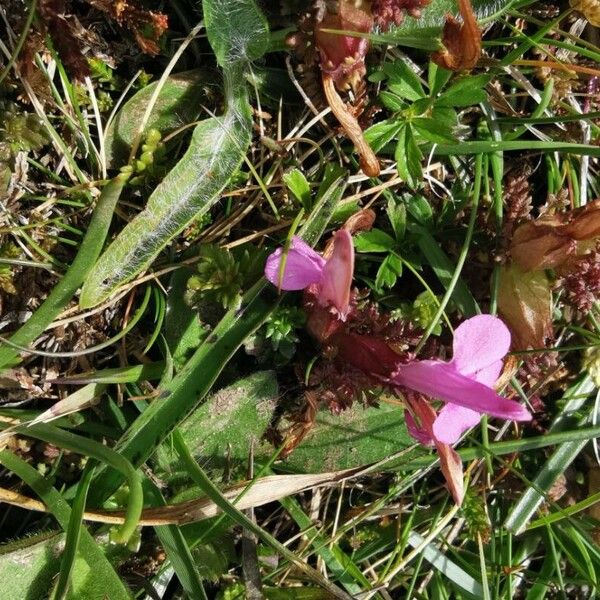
464, 383
303, 268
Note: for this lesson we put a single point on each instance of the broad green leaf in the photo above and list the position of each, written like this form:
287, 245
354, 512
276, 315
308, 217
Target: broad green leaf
222, 429
27, 566
400, 154
382, 133
446, 116
391, 101
433, 131
468, 90
357, 436
396, 212
403, 81
374, 241
408, 157
237, 30
297, 183
420, 209
93, 576
437, 78
389, 271
179, 102
217, 148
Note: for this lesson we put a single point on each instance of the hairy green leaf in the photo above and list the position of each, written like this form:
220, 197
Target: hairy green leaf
357, 436
178, 103
238, 33
221, 430
93, 577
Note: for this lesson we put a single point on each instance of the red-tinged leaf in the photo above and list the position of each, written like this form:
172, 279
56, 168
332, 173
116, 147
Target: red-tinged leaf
452, 469
525, 304
450, 462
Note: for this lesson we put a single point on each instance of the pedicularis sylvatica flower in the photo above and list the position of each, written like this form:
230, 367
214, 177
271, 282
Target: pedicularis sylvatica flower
301, 267
465, 384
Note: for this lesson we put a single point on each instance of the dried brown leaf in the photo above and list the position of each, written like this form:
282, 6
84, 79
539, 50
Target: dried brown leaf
264, 490
61, 29
525, 304
552, 240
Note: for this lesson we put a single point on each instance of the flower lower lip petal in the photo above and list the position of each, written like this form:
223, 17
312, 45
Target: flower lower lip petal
440, 380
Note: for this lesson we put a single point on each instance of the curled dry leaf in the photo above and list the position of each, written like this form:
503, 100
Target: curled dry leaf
342, 63
552, 241
525, 304
462, 41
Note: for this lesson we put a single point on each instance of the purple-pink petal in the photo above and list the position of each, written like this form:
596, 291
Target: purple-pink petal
478, 343
489, 375
440, 380
336, 283
303, 266
452, 421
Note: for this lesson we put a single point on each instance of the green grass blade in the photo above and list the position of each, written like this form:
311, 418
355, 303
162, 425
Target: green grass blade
583, 435
466, 148
177, 550
88, 447
207, 486
338, 562
64, 290
444, 270
103, 578
556, 464
450, 569
73, 534
130, 374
